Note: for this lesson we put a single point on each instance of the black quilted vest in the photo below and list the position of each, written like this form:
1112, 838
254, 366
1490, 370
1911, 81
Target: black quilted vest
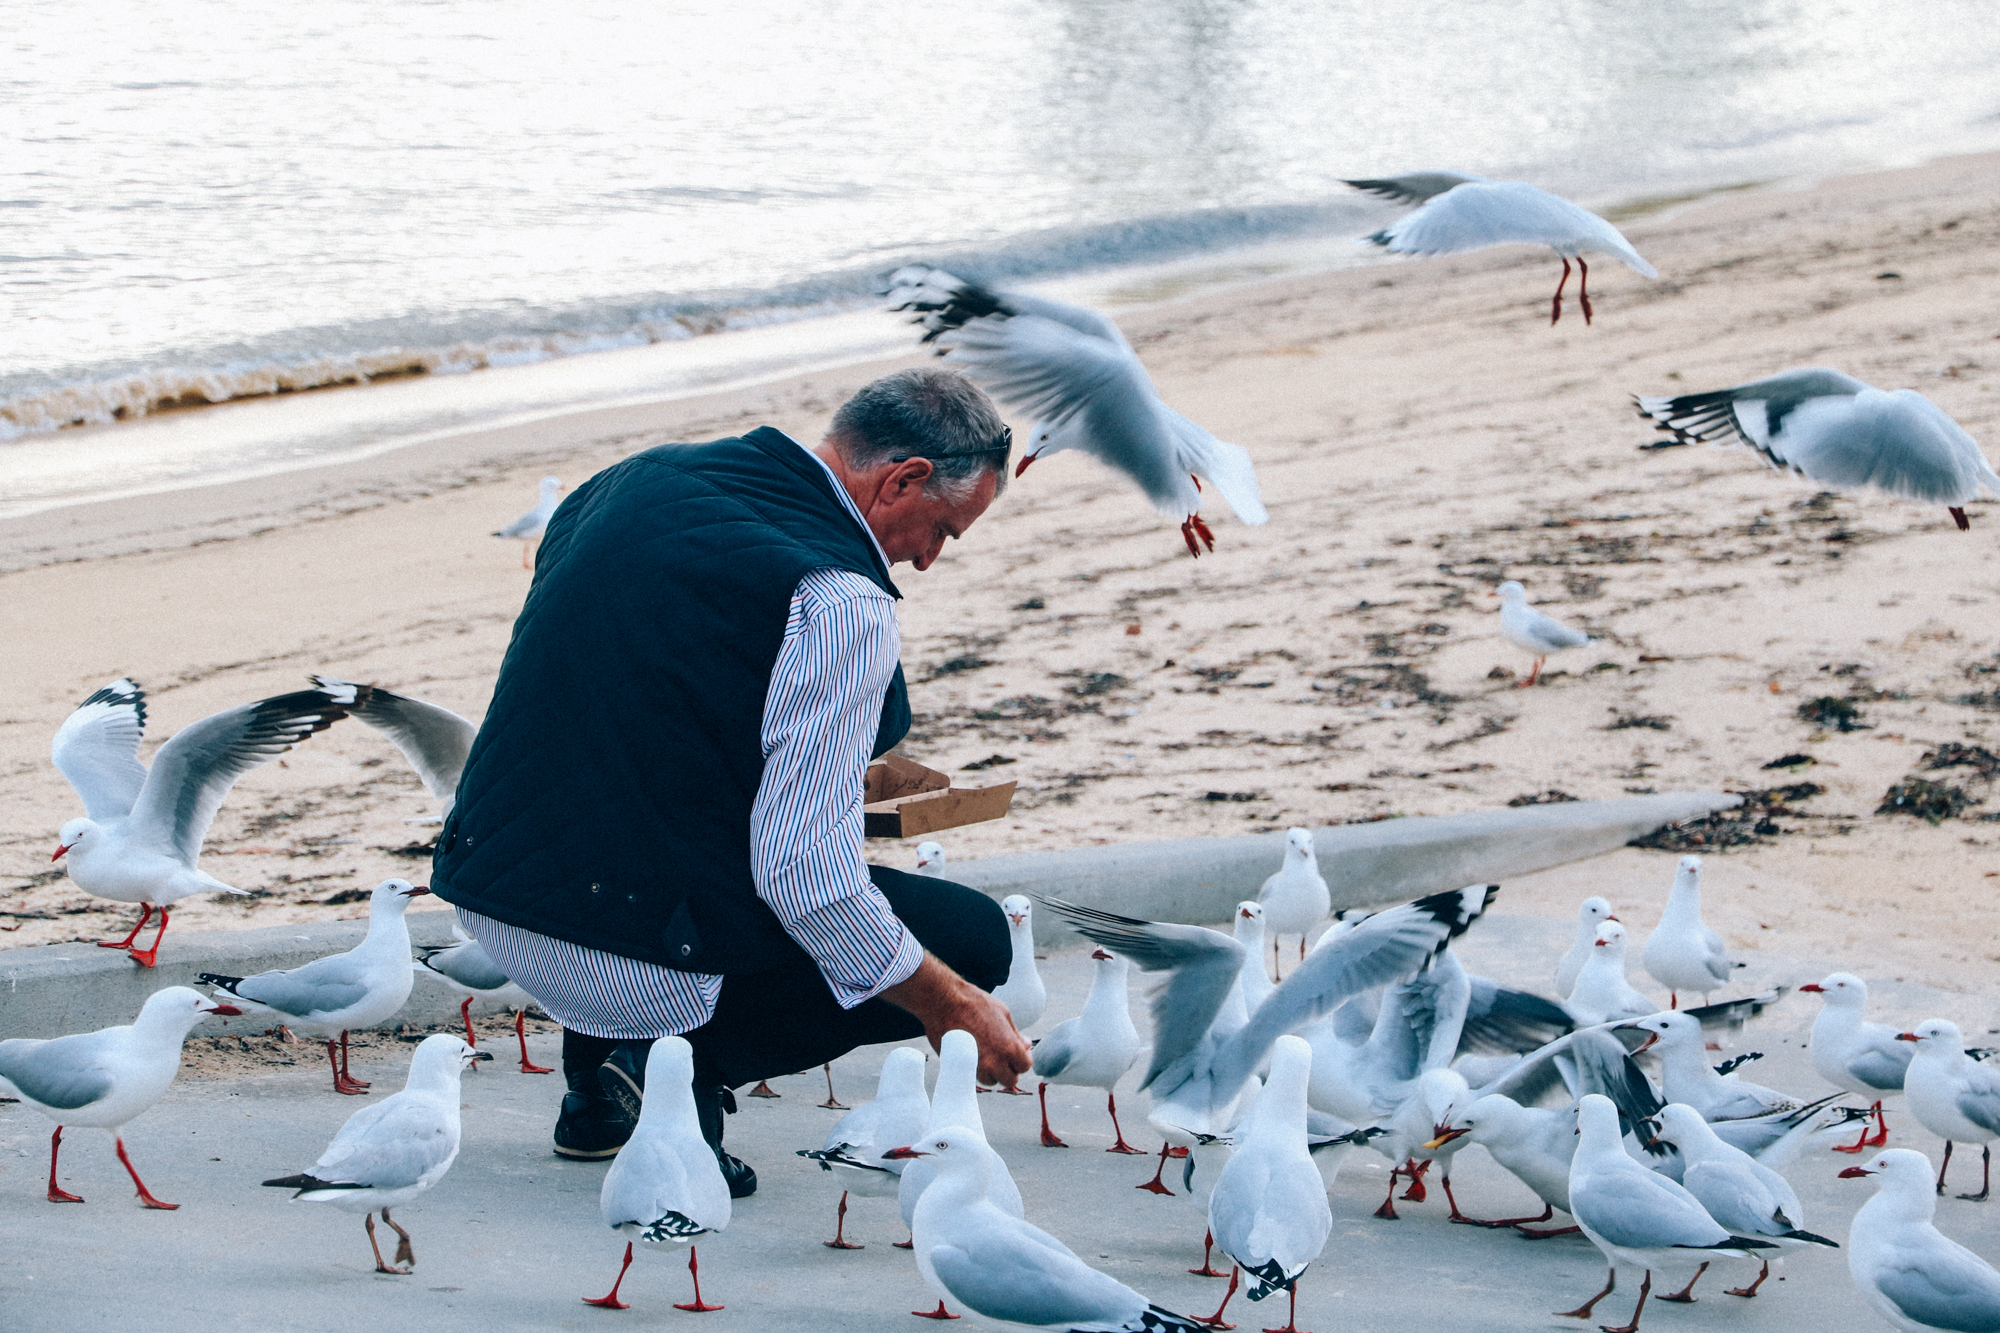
607, 798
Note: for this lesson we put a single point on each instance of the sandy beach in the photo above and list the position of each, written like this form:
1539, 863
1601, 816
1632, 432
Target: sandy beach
1420, 432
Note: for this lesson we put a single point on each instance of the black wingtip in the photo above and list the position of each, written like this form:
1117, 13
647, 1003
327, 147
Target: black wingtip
216, 979
301, 1181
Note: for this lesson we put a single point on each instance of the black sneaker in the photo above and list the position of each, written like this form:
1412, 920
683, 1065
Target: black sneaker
622, 1076
709, 1105
591, 1128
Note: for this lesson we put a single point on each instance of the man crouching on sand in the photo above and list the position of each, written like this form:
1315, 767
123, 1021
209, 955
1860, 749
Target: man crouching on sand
659, 827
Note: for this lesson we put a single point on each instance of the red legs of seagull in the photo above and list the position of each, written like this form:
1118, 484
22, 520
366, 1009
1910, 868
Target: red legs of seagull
1958, 517
404, 1254
145, 913
832, 1103
343, 1082
839, 1241
1533, 675
1556, 305
1215, 1320
1633, 1327
1049, 1139
1155, 1185
1544, 1235
1111, 1104
1985, 1176
1881, 1132
1207, 1248
145, 1195
1944, 1166
1292, 1320
521, 1035
1610, 1283
56, 1193
763, 1089
402, 1250
1583, 288
1685, 1296
150, 957
610, 1301
695, 1306
1415, 1170
939, 1313
1751, 1290
1548, 1211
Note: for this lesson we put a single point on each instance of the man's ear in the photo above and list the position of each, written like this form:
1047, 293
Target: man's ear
906, 478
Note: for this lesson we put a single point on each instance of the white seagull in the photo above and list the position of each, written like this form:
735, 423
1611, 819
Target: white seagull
1855, 1055
1916, 1277
1744, 1196
467, 968
357, 989
140, 838
1602, 993
1268, 1211
392, 1151
103, 1079
930, 858
955, 1106
1094, 1049
853, 1150
1253, 985
664, 1187
1953, 1096
432, 738
1075, 372
1006, 1271
1832, 429
1682, 954
1534, 1143
1295, 899
529, 527
1461, 212
1022, 992
1588, 916
1531, 631
1687, 1077
1638, 1218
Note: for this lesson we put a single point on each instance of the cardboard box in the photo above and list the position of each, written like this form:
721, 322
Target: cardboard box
903, 799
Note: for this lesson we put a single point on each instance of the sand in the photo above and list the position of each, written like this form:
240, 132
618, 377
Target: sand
1421, 433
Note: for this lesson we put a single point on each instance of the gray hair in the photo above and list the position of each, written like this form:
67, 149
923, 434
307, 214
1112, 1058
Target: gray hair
927, 413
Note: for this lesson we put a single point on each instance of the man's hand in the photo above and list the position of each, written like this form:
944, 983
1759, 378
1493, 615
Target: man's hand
943, 1000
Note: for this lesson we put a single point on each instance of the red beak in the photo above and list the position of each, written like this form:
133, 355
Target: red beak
1814, 987
417, 892
902, 1154
1908, 1036
1100, 954
64, 847
1652, 1038
1022, 466
226, 1010
1854, 1173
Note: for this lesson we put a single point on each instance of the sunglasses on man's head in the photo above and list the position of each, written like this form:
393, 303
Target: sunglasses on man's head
1003, 446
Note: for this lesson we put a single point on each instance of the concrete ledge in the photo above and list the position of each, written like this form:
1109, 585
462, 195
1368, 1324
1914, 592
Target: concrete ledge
51, 989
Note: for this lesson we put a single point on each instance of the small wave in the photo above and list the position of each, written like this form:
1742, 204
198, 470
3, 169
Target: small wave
333, 357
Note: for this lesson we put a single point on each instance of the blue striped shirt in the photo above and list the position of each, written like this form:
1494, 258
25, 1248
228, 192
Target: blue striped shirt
820, 718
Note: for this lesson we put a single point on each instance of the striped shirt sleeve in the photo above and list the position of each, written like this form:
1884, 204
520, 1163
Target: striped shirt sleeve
820, 720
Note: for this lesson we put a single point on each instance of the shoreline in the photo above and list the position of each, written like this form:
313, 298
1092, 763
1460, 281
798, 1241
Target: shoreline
1420, 432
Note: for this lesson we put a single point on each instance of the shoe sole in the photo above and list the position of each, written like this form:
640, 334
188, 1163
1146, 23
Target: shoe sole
579, 1155
620, 1087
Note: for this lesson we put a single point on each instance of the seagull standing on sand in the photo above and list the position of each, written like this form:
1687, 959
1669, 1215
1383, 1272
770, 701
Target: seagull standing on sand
433, 739
1602, 993
1094, 1049
1953, 1096
1682, 954
103, 1079
1531, 631
1638, 1218
1075, 372
1534, 1143
1460, 212
529, 527
470, 970
142, 830
1022, 992
1006, 1271
664, 1187
1268, 1211
1589, 916
1832, 429
357, 989
930, 858
1855, 1055
389, 1153
1295, 899
853, 1150
1744, 1196
1916, 1278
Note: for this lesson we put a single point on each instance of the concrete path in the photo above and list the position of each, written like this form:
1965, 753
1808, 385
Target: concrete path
511, 1239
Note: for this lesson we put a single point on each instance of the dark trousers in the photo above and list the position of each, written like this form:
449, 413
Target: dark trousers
783, 1020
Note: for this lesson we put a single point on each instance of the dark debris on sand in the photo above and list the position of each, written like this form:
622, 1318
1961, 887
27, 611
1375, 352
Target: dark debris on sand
1750, 824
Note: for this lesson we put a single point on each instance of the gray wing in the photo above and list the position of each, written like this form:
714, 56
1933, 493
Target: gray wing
1731, 1015
1717, 960
1500, 1019
1711, 416
947, 302
1056, 1049
1355, 1020
1226, 465
194, 771
1387, 946
1484, 213
1204, 964
65, 1074
1897, 442
1646, 1211
468, 964
1980, 1102
1035, 1280
435, 740
323, 986
389, 1145
1883, 1063
1951, 1289
97, 749
1416, 188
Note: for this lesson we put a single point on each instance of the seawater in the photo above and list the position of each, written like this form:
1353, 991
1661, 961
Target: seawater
241, 197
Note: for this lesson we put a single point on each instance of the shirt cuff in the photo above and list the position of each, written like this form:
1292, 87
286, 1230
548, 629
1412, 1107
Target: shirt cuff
859, 945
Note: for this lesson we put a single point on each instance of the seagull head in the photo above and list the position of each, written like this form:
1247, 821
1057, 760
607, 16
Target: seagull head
1299, 841
394, 895
1669, 1029
1510, 592
1840, 988
1935, 1034
930, 856
1019, 910
1043, 440
1897, 1166
70, 835
1610, 936
1596, 909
